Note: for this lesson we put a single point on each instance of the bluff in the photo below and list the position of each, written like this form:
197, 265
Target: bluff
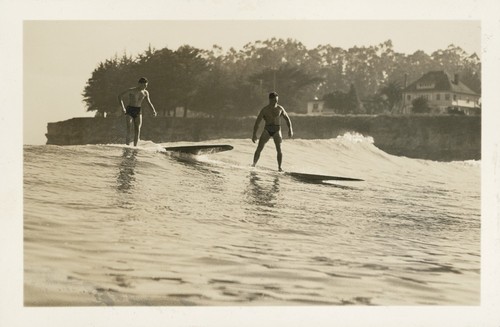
442, 138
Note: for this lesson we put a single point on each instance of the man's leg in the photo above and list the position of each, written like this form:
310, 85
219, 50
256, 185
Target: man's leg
128, 126
137, 128
277, 141
264, 137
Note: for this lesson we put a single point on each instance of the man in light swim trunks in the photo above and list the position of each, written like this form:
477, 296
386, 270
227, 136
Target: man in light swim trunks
133, 112
271, 114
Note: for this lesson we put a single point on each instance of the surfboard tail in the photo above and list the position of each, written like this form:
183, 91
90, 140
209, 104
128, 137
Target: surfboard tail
314, 177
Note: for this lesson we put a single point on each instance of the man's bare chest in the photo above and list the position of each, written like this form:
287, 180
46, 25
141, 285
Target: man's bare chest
137, 96
271, 113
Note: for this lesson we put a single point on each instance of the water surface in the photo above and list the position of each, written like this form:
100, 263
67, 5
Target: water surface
115, 225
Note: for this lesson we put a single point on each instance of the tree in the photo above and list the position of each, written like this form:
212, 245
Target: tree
455, 60
420, 105
330, 63
375, 104
451, 59
188, 65
236, 82
362, 69
337, 100
101, 90
392, 92
158, 66
471, 76
292, 83
215, 89
354, 104
345, 103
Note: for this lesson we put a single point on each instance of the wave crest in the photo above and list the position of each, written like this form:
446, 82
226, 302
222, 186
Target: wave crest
354, 137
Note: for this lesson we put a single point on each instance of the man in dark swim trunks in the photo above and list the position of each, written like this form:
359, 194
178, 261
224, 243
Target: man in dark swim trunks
133, 113
271, 114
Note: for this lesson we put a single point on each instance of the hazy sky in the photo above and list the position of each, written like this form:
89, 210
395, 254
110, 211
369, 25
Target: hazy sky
59, 56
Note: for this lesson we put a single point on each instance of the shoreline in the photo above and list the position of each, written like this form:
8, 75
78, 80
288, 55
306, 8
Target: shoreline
439, 138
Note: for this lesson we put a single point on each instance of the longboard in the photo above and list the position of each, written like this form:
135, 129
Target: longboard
318, 178
200, 149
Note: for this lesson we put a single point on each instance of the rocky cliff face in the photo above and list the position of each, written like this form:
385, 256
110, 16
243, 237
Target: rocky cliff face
443, 138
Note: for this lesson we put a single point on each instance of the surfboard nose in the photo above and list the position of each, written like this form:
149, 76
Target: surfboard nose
200, 149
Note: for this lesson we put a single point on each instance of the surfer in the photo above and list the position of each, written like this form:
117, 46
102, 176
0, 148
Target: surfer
133, 111
271, 114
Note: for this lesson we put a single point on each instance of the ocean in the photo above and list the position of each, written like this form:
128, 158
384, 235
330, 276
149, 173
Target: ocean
122, 226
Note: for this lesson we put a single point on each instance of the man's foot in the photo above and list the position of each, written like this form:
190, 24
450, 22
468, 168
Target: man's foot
253, 165
280, 170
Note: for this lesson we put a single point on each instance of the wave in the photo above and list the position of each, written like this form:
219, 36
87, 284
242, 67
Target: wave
355, 138
348, 154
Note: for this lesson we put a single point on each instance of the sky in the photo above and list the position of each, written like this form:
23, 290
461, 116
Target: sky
59, 56
45, 65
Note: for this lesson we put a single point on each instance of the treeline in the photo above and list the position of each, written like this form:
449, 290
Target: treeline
236, 83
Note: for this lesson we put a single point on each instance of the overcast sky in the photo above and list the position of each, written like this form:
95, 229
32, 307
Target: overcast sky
59, 56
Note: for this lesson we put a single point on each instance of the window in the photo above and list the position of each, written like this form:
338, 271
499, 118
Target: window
454, 97
438, 96
408, 97
315, 106
447, 96
425, 85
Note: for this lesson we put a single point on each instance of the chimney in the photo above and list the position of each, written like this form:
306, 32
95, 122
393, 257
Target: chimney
455, 80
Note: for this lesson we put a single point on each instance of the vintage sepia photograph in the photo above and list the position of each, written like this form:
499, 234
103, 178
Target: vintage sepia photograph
283, 172
273, 164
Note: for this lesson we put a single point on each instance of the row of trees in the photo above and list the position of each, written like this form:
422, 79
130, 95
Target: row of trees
235, 83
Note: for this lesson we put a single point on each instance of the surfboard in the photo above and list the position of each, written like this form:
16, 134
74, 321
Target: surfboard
318, 178
200, 149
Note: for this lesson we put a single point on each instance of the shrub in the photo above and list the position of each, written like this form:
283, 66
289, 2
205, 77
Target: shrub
420, 105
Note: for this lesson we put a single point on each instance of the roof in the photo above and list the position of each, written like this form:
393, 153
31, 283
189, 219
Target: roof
442, 82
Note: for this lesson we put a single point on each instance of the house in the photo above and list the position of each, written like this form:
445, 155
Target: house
442, 93
317, 107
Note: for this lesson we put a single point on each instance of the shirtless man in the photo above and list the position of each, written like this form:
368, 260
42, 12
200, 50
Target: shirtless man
271, 114
133, 112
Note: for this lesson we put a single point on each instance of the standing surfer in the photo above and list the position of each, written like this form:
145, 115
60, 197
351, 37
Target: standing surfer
133, 112
271, 114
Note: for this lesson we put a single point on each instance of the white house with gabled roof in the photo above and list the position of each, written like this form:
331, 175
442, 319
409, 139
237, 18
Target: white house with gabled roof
442, 93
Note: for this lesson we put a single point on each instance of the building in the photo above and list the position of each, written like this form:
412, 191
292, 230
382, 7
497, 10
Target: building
442, 93
317, 107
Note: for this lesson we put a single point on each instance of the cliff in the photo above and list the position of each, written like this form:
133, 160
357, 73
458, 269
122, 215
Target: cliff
443, 138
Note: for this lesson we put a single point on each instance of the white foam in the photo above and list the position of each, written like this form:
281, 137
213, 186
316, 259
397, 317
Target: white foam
355, 138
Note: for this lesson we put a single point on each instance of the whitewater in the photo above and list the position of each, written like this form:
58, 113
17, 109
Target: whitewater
123, 226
